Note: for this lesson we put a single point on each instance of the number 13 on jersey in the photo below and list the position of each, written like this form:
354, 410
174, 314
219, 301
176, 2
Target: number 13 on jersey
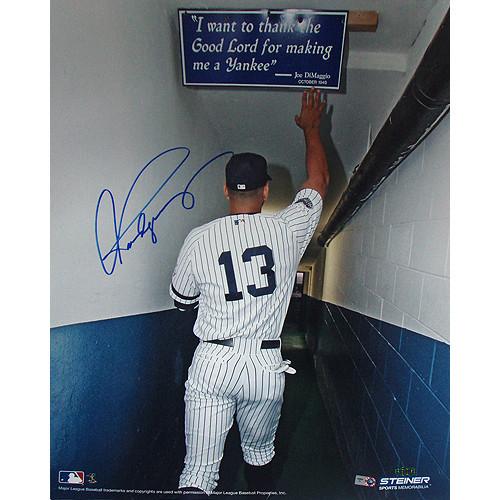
226, 260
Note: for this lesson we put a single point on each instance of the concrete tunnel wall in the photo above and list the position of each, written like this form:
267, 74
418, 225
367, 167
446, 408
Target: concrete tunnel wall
119, 353
379, 323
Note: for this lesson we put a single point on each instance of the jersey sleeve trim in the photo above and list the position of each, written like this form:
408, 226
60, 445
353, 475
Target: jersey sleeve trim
185, 307
183, 297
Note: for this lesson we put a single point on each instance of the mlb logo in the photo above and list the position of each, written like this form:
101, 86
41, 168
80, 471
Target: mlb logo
71, 476
367, 481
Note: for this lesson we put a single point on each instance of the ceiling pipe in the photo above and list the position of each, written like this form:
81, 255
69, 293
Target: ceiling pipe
424, 102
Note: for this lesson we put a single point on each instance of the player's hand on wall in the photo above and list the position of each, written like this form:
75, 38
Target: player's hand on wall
310, 112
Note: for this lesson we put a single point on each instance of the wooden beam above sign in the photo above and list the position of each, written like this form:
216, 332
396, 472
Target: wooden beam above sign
362, 20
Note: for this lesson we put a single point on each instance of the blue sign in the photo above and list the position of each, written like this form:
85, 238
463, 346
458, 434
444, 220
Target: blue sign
262, 48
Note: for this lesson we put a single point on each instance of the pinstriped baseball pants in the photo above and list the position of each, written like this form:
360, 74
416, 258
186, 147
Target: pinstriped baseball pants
242, 380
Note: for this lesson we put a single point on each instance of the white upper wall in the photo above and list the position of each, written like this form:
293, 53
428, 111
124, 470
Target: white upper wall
380, 104
117, 101
392, 261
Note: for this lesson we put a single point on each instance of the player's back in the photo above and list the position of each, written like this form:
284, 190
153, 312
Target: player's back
241, 269
245, 266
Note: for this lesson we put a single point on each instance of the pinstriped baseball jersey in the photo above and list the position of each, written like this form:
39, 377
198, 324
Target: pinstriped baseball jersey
240, 269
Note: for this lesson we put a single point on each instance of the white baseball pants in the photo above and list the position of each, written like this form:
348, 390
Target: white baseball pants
223, 381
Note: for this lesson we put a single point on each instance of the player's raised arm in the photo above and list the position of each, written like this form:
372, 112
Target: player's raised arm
309, 119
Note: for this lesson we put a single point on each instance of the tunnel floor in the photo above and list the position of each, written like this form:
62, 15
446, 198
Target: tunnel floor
307, 461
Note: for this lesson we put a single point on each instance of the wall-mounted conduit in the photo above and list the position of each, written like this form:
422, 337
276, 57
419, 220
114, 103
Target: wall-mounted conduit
424, 102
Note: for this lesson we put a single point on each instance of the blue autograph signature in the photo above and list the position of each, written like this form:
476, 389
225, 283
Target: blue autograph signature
143, 226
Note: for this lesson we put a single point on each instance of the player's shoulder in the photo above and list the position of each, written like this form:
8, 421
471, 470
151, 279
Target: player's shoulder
308, 197
305, 200
199, 231
196, 232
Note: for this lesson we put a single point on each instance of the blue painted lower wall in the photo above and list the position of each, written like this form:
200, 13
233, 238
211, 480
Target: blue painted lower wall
117, 390
386, 390
117, 408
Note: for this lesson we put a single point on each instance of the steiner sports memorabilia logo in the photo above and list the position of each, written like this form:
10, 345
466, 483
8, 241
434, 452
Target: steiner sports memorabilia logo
368, 481
71, 476
405, 483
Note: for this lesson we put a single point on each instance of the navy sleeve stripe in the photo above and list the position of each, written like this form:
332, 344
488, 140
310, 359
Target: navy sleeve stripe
185, 307
184, 297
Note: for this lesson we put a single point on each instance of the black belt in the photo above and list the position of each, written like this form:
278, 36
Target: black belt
265, 344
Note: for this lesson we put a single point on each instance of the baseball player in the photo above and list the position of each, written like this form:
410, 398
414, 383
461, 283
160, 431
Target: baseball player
239, 272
